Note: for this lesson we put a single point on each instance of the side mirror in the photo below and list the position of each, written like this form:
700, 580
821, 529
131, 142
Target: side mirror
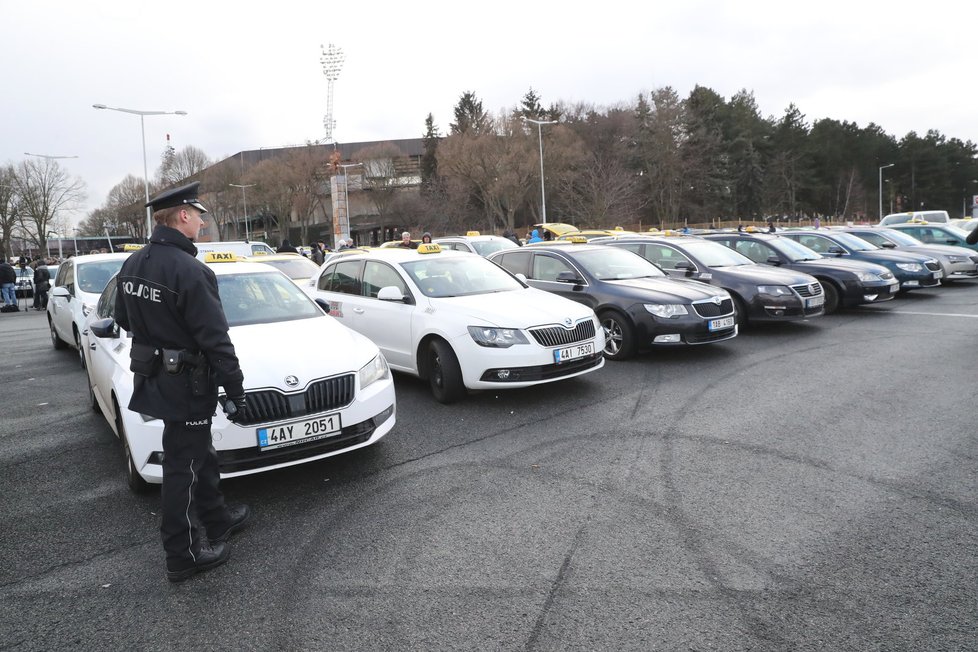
838, 251
888, 245
773, 260
390, 293
568, 277
60, 291
686, 266
104, 328
324, 304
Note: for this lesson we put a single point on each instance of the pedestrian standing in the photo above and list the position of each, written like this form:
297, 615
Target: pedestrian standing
42, 283
317, 253
8, 283
168, 300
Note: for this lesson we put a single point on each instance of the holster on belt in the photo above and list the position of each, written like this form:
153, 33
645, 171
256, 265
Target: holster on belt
176, 360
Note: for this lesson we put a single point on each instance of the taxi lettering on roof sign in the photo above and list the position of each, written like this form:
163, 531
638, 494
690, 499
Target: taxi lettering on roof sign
220, 257
578, 239
472, 234
429, 248
132, 247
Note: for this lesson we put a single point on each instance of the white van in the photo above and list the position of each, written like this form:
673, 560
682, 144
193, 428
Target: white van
241, 248
933, 217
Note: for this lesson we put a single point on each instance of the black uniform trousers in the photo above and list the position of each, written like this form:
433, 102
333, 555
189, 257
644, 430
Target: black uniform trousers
192, 500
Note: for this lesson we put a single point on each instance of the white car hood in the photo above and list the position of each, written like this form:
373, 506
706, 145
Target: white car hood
304, 348
515, 309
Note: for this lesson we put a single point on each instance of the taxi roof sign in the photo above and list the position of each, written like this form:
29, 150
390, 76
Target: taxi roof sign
578, 239
220, 257
132, 247
429, 248
471, 234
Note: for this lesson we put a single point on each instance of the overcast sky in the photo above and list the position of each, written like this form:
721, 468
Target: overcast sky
249, 74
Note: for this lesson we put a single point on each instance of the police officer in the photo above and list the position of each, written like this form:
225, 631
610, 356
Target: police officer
180, 353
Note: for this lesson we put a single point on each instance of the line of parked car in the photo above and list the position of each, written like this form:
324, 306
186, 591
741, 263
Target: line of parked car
318, 343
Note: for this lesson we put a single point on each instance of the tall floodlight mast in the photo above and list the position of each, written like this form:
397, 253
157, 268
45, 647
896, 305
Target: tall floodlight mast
332, 61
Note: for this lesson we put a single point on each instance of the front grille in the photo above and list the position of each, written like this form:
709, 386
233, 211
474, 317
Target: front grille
321, 396
543, 372
933, 266
559, 336
706, 308
808, 290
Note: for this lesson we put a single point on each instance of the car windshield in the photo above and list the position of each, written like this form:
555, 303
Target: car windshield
439, 276
486, 247
262, 298
852, 242
93, 277
294, 268
901, 238
714, 254
795, 251
614, 264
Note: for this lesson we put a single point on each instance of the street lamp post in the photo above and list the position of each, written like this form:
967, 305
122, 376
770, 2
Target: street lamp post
543, 194
883, 167
60, 252
345, 232
142, 125
245, 200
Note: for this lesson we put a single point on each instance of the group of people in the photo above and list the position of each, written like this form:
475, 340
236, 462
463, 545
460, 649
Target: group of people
41, 282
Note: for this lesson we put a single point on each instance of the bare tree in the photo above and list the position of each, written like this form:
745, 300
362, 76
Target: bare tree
291, 188
224, 203
9, 215
382, 179
126, 204
177, 166
45, 190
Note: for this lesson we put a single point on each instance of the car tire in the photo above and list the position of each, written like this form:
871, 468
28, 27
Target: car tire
81, 351
135, 481
619, 335
56, 341
741, 317
831, 297
444, 373
92, 401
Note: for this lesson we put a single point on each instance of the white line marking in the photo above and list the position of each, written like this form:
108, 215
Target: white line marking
933, 314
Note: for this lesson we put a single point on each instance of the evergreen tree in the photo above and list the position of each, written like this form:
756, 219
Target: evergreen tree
470, 117
429, 159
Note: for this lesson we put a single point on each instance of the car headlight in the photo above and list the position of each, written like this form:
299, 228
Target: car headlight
373, 371
86, 309
868, 277
910, 267
775, 290
666, 311
500, 338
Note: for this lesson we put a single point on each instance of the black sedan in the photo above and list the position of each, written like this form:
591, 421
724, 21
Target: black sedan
760, 292
844, 282
912, 270
637, 304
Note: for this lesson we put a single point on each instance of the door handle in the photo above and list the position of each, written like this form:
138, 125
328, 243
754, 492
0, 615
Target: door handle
359, 311
92, 346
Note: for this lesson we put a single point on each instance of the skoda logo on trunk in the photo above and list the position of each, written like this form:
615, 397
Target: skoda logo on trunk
291, 381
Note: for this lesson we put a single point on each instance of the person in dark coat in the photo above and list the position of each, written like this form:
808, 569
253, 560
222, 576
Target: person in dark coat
509, 234
287, 248
180, 352
318, 255
8, 283
42, 283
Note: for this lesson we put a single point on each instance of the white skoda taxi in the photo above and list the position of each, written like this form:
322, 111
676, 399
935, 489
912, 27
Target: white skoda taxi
458, 320
306, 400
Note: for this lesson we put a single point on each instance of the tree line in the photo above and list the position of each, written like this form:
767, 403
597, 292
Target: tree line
660, 160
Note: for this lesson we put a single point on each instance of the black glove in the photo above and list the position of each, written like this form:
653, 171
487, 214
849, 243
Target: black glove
235, 407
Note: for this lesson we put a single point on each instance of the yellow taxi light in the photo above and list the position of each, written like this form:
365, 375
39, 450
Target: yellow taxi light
132, 247
262, 253
618, 228
220, 257
578, 239
471, 234
653, 230
429, 248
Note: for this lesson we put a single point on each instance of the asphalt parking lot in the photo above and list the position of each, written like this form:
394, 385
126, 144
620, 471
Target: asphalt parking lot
807, 486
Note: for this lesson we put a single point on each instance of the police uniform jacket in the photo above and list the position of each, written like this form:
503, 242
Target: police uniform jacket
168, 299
